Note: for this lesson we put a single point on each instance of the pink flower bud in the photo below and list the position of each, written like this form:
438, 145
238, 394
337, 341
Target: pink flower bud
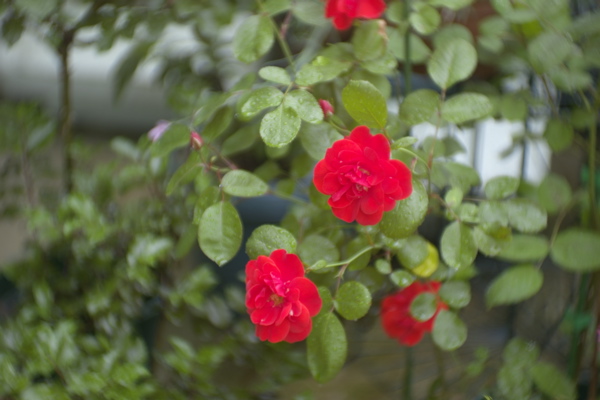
196, 140
326, 107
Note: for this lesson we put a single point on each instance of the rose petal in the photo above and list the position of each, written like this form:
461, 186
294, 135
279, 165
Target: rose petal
309, 295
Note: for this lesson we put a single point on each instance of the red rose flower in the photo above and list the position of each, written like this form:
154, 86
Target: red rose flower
344, 12
279, 299
360, 177
396, 318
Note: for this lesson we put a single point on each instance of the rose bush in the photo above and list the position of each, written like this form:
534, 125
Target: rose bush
280, 300
360, 177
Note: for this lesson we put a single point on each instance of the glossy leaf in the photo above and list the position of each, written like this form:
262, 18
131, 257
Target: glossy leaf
316, 247
407, 216
522, 248
243, 184
424, 19
501, 187
465, 107
558, 134
419, 106
253, 38
458, 246
280, 126
220, 232
369, 41
352, 300
488, 244
305, 105
576, 250
514, 285
365, 104
419, 52
185, 173
218, 123
449, 331
267, 238
176, 135
423, 307
526, 216
327, 347
260, 99
554, 193
452, 63
457, 294
402, 278
316, 139
548, 50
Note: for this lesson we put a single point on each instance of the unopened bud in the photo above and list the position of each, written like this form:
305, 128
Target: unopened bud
326, 107
196, 141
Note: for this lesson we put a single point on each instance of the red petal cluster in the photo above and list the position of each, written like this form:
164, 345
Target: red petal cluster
396, 318
343, 12
360, 177
279, 299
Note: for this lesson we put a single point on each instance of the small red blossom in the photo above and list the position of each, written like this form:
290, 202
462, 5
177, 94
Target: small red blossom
360, 177
396, 318
343, 12
196, 141
279, 299
326, 107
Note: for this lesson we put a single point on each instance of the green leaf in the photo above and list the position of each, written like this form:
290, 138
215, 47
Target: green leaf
489, 244
457, 294
523, 248
352, 300
147, 249
253, 38
310, 12
513, 107
127, 66
322, 69
451, 4
526, 216
243, 184
402, 278
241, 140
316, 247
365, 104
465, 107
407, 216
412, 251
577, 250
458, 246
369, 41
501, 187
554, 193
449, 331
548, 50
305, 105
258, 100
267, 238
424, 306
275, 74
558, 134
176, 135
452, 63
218, 123
280, 126
185, 173
450, 32
274, 7
316, 139
424, 19
553, 382
514, 285
419, 106
220, 232
327, 347
419, 52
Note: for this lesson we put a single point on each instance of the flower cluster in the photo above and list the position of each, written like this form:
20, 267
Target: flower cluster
396, 318
279, 299
360, 177
343, 12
